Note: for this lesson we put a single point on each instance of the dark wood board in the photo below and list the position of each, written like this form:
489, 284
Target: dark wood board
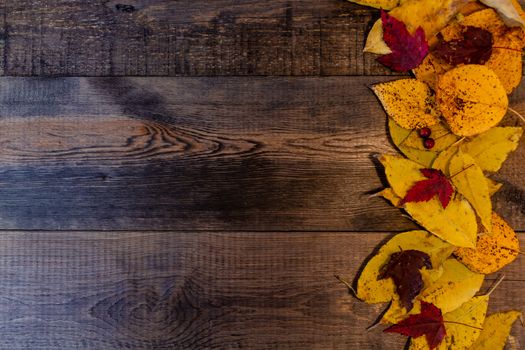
203, 153
189, 290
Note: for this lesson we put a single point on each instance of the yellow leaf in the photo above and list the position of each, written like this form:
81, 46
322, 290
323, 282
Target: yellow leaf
469, 180
491, 148
455, 224
493, 186
409, 102
390, 196
493, 251
456, 285
372, 290
442, 161
378, 4
431, 15
471, 99
459, 337
399, 135
442, 136
430, 69
496, 330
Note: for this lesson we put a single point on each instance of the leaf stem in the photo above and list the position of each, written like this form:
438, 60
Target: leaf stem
459, 172
506, 48
517, 113
351, 289
463, 324
513, 250
495, 285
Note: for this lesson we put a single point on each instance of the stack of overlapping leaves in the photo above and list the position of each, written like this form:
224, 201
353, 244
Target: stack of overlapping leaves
449, 125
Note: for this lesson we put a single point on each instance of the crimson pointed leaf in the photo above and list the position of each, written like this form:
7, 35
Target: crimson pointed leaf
428, 323
424, 190
408, 50
403, 267
474, 47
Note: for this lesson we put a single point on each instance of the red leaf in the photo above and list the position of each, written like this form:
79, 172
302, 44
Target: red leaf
428, 323
407, 50
403, 267
475, 47
425, 190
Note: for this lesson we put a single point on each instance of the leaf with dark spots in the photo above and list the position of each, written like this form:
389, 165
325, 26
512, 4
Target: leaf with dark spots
403, 267
474, 47
408, 50
425, 190
428, 323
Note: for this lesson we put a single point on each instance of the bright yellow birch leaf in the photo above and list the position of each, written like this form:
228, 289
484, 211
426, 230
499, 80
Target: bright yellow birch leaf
469, 180
471, 99
455, 224
459, 337
399, 135
491, 148
409, 102
431, 15
456, 285
372, 290
496, 330
378, 4
493, 250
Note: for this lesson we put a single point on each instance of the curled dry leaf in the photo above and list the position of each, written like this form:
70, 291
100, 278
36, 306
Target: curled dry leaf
460, 325
496, 330
408, 50
455, 224
409, 102
430, 15
428, 323
493, 251
403, 267
469, 180
472, 99
371, 289
509, 10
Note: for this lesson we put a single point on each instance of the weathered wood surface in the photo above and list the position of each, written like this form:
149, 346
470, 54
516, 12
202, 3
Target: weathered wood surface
189, 37
188, 290
203, 153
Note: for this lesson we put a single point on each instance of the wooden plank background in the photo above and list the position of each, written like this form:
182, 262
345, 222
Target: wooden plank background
192, 174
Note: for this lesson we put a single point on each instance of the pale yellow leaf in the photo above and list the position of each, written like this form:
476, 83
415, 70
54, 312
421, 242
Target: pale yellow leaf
409, 102
374, 40
469, 180
508, 11
372, 290
496, 330
455, 224
399, 135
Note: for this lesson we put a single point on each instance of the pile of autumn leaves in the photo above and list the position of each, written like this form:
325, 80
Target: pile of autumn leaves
467, 58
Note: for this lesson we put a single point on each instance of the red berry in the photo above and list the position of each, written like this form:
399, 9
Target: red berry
425, 132
429, 143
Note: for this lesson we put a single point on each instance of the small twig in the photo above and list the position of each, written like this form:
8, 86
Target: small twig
351, 289
517, 113
495, 285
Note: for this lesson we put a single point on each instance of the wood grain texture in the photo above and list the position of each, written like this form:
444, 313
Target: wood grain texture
188, 290
206, 154
188, 38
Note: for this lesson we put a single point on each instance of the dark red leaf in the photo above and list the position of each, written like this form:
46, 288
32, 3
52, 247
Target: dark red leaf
407, 50
474, 47
425, 190
403, 267
428, 323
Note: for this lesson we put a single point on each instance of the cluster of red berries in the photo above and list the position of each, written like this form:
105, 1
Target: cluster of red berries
428, 142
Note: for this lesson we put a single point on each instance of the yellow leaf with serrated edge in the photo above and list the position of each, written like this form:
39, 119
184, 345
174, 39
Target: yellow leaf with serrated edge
496, 330
372, 290
472, 99
409, 102
469, 180
455, 224
378, 4
491, 148
493, 250
431, 15
456, 285
458, 336
399, 135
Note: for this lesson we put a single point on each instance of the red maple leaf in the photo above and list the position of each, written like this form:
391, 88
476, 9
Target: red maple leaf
474, 47
408, 50
425, 190
428, 323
